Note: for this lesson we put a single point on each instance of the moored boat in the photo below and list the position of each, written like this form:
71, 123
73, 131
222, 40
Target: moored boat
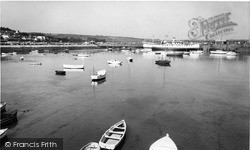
112, 61
3, 106
73, 66
3, 132
60, 72
113, 136
164, 143
7, 118
91, 146
99, 75
163, 62
231, 53
218, 52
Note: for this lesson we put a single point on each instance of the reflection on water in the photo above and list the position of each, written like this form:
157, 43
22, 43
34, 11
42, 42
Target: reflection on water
203, 103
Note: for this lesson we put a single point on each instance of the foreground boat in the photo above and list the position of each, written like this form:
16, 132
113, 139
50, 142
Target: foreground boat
3, 133
91, 146
7, 118
165, 143
99, 75
3, 106
113, 136
73, 66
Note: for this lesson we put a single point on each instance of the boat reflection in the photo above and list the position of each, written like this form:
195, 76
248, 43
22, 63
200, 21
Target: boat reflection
98, 82
164, 65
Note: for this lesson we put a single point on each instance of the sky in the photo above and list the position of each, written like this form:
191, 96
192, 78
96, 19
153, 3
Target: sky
140, 19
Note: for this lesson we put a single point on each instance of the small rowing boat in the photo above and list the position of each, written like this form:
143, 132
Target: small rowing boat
99, 75
91, 146
7, 118
165, 143
3, 133
113, 136
3, 106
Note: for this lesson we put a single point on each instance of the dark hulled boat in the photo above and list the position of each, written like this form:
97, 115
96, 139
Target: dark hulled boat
8, 117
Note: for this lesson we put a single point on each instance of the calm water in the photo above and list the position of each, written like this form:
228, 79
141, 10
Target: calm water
202, 102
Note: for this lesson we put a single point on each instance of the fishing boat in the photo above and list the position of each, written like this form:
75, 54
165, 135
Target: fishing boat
218, 52
99, 75
112, 61
165, 143
163, 62
2, 106
91, 146
3, 132
60, 72
7, 118
113, 136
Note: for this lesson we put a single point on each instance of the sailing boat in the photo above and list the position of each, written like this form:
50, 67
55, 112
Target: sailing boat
163, 62
99, 75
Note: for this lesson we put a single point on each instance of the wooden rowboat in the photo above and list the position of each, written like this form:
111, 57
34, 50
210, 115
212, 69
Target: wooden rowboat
3, 133
3, 106
99, 75
7, 118
113, 136
165, 143
91, 146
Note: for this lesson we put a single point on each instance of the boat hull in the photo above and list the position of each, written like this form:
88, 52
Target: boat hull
3, 133
91, 146
165, 143
73, 66
3, 107
113, 136
7, 118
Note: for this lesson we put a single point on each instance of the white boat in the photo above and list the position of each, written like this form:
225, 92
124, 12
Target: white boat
114, 65
91, 146
218, 52
196, 53
99, 75
165, 143
112, 61
73, 66
4, 55
113, 136
3, 106
231, 53
3, 132
21, 58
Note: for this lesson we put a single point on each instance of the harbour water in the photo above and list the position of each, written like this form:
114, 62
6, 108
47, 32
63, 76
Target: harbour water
201, 102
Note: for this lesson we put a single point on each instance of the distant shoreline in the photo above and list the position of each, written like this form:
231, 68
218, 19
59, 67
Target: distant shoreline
30, 46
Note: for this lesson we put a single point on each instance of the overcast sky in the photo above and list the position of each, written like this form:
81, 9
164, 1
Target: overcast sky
121, 18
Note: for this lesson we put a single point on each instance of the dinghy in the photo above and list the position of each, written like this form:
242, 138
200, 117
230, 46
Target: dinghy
165, 143
7, 118
2, 106
91, 146
113, 136
3, 133
60, 72
99, 75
